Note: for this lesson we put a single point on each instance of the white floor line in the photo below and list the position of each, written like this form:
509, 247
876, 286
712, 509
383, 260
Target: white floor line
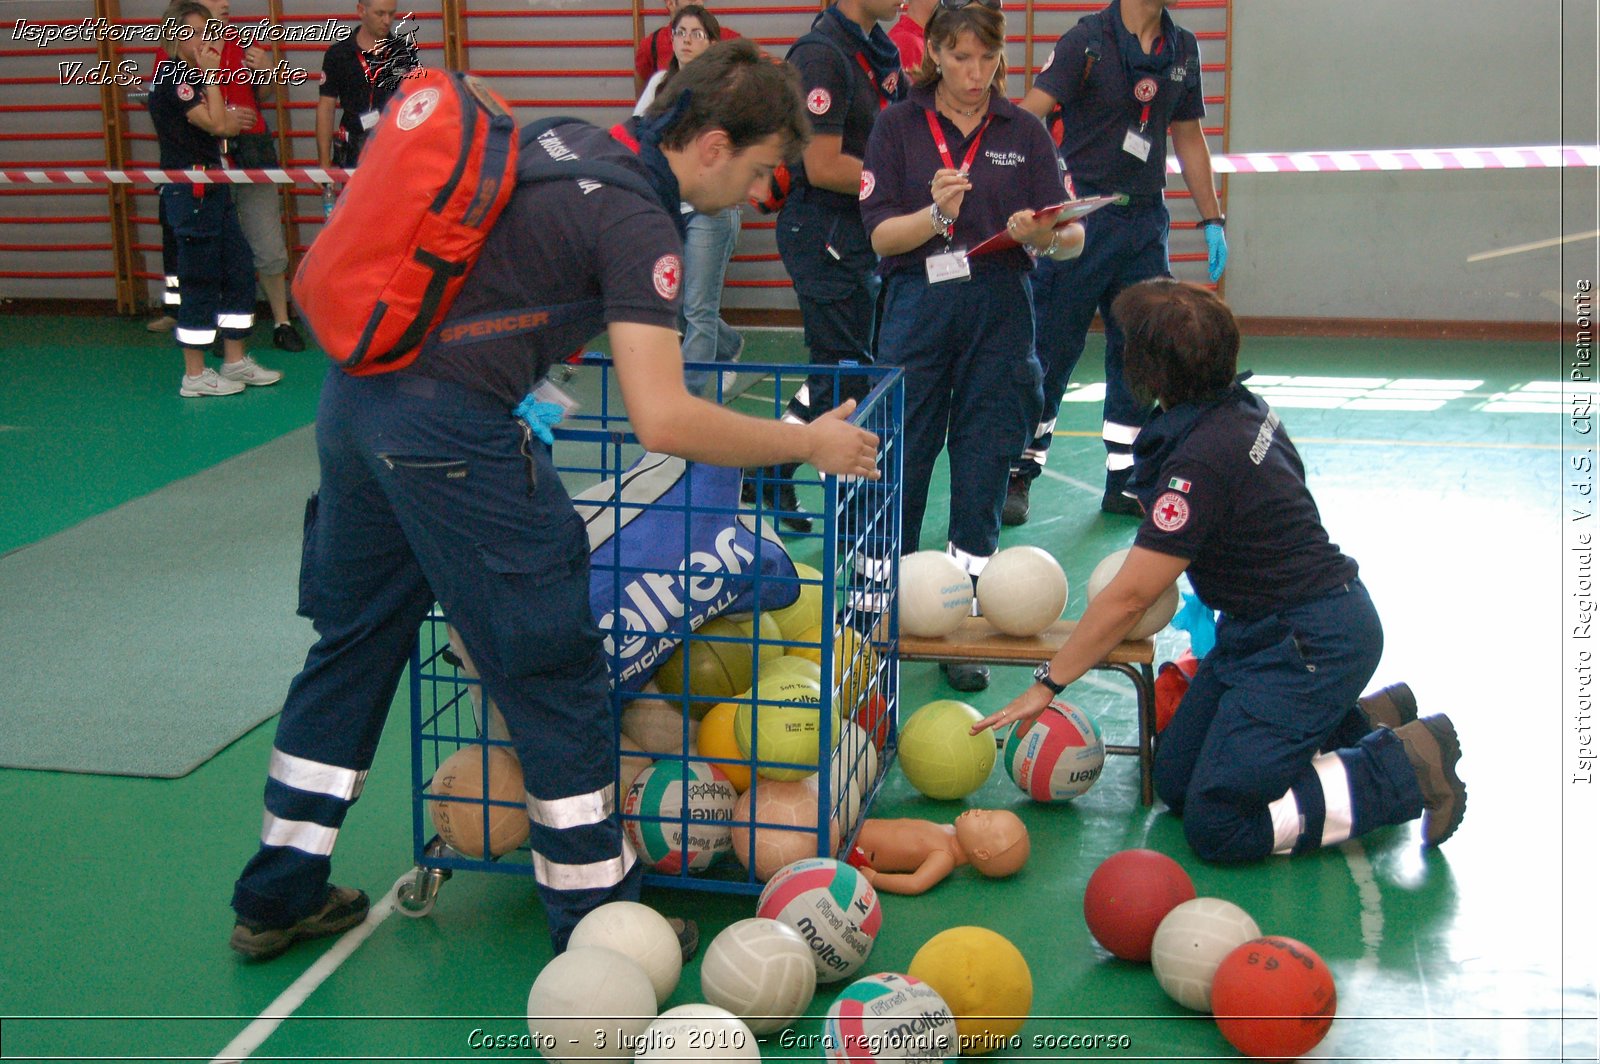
1079, 484
295, 994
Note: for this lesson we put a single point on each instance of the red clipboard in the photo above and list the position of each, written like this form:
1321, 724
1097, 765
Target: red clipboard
1066, 213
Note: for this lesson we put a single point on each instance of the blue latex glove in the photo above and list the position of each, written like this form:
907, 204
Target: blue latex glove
540, 417
1216, 251
1193, 617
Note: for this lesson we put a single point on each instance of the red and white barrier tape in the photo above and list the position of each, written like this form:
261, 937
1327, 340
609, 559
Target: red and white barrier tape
1532, 157
167, 177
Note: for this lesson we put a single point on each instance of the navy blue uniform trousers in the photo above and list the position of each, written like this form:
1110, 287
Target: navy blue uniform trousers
1122, 246
216, 274
834, 269
431, 491
971, 379
1268, 751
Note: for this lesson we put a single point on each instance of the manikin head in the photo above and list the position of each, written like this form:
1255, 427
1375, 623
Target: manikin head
995, 840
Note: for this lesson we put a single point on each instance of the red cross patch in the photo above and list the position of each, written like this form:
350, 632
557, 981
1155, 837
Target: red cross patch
868, 183
1145, 90
667, 275
1171, 512
185, 91
819, 101
417, 108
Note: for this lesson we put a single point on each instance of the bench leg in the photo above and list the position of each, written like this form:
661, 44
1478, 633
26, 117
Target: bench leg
1143, 678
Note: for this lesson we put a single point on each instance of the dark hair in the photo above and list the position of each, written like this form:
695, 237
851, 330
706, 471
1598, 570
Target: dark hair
1181, 341
176, 14
734, 88
985, 23
708, 22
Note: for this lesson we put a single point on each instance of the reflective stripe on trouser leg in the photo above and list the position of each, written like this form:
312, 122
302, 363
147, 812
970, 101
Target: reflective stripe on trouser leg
171, 296
1119, 445
1317, 811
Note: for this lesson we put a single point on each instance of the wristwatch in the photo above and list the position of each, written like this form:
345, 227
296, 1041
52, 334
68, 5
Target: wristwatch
1041, 675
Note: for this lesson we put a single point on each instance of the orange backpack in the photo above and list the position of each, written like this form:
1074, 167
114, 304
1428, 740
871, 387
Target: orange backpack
437, 171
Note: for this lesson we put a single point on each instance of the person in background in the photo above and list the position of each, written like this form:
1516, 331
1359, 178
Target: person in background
1123, 79
655, 50
907, 33
850, 71
1272, 750
260, 207
360, 71
213, 259
709, 240
951, 166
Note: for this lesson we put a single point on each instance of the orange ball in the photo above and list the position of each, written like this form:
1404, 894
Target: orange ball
462, 823
1273, 998
716, 739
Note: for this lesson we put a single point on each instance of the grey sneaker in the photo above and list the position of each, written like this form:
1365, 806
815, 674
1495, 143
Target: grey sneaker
345, 908
207, 382
1391, 707
248, 371
164, 324
1433, 749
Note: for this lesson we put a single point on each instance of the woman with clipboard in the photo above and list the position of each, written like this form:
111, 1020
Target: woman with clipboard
944, 169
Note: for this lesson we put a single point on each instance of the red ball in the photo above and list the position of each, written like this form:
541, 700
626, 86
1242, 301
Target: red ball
1127, 898
873, 716
1273, 998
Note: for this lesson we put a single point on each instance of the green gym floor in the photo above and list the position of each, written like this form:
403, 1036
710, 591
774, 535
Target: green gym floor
1437, 465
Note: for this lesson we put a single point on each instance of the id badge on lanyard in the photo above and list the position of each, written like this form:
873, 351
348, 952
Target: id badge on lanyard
369, 117
951, 264
1137, 142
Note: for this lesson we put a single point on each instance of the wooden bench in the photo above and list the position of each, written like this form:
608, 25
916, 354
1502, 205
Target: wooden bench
977, 642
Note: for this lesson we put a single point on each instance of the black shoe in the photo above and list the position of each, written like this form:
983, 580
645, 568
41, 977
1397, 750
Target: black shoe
345, 908
1389, 708
286, 337
688, 933
795, 519
964, 676
1114, 502
1015, 511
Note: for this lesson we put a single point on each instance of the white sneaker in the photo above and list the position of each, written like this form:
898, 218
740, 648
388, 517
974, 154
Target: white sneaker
248, 371
208, 383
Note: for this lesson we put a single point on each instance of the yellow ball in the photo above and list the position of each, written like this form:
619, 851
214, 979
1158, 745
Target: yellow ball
806, 611
985, 981
855, 663
716, 740
791, 733
715, 669
939, 755
789, 665
769, 635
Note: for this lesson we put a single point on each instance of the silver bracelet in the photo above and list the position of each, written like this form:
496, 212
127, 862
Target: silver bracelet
943, 224
1055, 245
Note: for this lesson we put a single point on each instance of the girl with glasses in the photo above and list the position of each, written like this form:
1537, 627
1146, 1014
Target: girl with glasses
952, 165
709, 239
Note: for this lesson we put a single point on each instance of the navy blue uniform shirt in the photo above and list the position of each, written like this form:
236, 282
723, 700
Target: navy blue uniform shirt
1098, 112
1224, 487
175, 90
844, 95
1015, 168
558, 243
363, 81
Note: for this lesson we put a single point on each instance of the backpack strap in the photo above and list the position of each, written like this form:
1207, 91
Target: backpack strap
535, 166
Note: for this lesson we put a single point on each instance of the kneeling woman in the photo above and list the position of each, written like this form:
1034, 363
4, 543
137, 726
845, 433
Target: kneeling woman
1272, 749
953, 164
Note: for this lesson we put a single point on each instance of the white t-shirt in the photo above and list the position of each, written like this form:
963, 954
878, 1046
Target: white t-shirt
648, 96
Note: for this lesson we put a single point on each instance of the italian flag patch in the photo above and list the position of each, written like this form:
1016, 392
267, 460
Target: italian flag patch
1179, 484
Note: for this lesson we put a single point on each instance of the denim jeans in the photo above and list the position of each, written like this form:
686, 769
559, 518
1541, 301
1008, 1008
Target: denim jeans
706, 337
